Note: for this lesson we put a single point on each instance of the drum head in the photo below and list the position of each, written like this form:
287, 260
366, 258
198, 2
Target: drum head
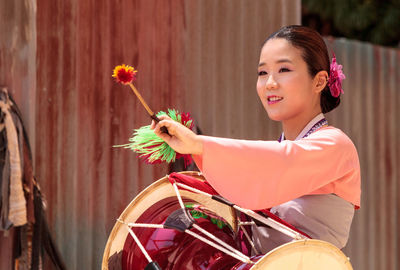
307, 254
152, 205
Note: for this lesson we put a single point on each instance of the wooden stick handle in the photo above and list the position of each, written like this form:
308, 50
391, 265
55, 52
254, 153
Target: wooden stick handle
150, 112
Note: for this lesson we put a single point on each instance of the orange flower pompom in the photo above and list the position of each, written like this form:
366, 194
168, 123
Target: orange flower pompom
124, 74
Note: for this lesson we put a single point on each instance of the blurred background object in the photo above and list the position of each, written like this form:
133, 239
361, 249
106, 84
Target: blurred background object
374, 21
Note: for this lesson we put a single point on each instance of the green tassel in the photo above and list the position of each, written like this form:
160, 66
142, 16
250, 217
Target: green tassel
150, 147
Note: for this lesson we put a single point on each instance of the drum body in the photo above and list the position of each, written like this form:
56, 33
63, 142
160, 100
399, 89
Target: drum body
170, 248
175, 250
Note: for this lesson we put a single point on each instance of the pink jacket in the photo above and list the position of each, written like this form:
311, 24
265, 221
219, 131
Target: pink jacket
263, 174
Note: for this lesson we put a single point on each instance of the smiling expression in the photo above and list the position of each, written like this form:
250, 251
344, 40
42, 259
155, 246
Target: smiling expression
284, 84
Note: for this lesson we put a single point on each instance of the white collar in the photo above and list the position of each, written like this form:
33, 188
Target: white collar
310, 124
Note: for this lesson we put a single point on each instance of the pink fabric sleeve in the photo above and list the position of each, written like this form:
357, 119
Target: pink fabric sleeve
263, 174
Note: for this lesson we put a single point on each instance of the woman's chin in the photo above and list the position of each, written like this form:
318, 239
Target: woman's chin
274, 116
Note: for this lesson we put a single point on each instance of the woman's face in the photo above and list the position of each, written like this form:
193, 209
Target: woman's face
284, 85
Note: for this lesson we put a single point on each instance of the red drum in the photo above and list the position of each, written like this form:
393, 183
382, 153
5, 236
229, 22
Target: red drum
171, 249
177, 250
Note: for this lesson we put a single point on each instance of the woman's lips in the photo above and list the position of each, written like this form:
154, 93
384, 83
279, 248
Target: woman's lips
273, 99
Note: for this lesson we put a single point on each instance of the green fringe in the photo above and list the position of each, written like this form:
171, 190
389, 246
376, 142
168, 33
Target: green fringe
149, 146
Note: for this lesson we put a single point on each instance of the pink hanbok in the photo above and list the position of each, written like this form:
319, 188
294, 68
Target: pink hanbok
311, 182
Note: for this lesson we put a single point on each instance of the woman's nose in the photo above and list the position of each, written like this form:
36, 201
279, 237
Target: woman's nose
271, 83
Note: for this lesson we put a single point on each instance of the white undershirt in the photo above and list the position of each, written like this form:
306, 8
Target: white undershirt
310, 124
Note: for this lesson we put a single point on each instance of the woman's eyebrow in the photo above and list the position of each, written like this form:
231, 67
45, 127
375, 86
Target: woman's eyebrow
283, 60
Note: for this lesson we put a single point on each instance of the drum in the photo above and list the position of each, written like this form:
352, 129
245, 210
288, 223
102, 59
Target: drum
176, 249
310, 254
170, 248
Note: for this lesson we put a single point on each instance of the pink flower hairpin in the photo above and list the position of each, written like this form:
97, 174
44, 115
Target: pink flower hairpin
335, 78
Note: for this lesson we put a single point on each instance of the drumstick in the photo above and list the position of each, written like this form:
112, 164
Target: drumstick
126, 75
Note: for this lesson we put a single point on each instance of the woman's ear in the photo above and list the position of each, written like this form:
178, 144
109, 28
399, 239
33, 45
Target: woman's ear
320, 81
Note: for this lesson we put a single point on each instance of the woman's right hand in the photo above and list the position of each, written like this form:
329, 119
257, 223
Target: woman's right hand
180, 138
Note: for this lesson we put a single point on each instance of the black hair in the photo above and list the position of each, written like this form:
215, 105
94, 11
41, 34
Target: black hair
315, 54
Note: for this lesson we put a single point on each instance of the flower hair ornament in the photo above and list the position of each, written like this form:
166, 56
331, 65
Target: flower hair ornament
335, 78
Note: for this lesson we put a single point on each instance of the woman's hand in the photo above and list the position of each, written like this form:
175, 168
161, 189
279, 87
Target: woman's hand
180, 138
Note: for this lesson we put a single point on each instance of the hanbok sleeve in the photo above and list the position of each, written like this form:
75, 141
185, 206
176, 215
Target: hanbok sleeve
263, 174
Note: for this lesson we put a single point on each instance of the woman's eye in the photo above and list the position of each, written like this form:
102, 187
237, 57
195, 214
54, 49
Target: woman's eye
261, 73
284, 70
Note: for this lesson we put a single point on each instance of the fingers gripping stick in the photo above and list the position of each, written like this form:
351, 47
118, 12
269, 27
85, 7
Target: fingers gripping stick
155, 118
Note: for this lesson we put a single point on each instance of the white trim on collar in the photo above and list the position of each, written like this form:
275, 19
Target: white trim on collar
310, 124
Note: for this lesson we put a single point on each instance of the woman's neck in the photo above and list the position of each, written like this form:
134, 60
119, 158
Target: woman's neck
293, 127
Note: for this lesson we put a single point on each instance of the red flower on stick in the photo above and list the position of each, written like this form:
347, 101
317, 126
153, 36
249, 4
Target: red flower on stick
124, 74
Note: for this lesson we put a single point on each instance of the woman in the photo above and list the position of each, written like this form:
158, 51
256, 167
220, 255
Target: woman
311, 176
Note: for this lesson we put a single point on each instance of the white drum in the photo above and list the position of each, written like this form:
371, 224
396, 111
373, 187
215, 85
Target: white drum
307, 254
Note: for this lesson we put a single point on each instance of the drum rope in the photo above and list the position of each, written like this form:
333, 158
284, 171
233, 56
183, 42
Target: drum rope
272, 223
219, 247
228, 250
178, 195
224, 247
233, 252
216, 239
139, 244
266, 220
142, 225
240, 223
194, 190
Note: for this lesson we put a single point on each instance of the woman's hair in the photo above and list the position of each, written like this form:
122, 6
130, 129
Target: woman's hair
315, 54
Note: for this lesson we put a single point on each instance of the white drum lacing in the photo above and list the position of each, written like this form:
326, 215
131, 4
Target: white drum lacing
213, 240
